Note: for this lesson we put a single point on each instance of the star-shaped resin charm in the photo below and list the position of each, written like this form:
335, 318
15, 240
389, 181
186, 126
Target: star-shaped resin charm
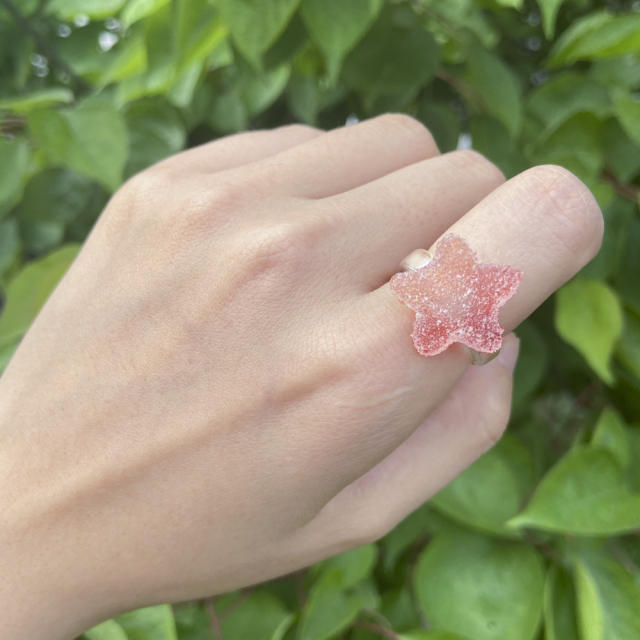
456, 298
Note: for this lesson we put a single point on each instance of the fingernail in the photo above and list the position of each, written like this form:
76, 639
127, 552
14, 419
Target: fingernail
508, 355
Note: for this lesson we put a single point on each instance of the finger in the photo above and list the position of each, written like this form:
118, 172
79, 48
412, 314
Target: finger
408, 208
242, 148
349, 156
544, 222
438, 450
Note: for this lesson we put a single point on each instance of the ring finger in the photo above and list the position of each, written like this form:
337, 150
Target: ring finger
544, 222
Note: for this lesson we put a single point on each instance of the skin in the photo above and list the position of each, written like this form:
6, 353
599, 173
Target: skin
223, 388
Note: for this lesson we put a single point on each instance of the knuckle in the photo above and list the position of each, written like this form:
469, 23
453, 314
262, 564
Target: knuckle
147, 184
222, 195
406, 123
284, 245
470, 161
577, 221
140, 194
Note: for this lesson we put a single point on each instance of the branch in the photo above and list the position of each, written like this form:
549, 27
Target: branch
43, 44
214, 620
627, 191
11, 125
377, 628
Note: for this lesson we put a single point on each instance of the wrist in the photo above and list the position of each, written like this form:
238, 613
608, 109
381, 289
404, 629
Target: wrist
43, 592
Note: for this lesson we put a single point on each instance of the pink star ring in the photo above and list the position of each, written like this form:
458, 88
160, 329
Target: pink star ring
456, 298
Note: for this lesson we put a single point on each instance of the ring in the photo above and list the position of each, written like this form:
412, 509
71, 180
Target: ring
455, 298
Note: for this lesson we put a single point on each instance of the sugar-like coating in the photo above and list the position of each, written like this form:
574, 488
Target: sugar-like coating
456, 298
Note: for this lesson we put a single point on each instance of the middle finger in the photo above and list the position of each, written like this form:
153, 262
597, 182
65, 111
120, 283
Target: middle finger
382, 221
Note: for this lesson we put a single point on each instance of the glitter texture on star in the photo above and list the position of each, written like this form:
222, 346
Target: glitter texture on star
456, 298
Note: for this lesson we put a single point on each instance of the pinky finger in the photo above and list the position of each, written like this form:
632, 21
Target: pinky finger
438, 450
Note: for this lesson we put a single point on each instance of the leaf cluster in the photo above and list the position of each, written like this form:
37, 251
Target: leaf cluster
540, 538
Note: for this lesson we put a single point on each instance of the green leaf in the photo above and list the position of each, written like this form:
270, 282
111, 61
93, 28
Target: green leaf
627, 284
576, 145
565, 95
64, 135
491, 138
109, 630
498, 87
182, 91
480, 588
82, 53
260, 91
55, 195
303, 97
532, 363
442, 121
37, 99
549, 10
150, 623
628, 349
6, 353
156, 131
337, 26
398, 608
420, 634
229, 112
51, 199
347, 569
29, 289
608, 597
129, 59
628, 111
634, 459
589, 317
293, 41
14, 160
255, 25
391, 59
259, 617
138, 9
597, 35
611, 433
412, 529
622, 72
329, 610
622, 154
618, 218
70, 9
199, 30
40, 236
492, 490
161, 45
585, 493
9, 243
193, 622
559, 606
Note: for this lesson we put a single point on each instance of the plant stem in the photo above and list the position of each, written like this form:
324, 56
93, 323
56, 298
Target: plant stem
377, 628
627, 191
214, 620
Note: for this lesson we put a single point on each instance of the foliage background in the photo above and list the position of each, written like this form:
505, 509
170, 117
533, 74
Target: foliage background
541, 537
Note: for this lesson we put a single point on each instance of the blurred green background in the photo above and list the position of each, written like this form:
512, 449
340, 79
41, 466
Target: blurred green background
541, 537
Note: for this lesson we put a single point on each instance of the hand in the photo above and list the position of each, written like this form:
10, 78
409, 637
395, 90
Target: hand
223, 388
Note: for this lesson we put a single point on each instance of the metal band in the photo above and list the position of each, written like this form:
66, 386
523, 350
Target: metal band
416, 259
479, 357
